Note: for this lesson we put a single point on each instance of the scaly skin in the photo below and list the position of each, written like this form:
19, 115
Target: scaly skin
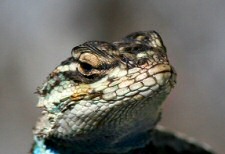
105, 98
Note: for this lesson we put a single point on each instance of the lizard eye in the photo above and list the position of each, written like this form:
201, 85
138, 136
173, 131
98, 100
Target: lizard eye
90, 59
88, 63
85, 66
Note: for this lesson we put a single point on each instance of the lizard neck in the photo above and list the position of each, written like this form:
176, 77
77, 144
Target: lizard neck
106, 96
121, 135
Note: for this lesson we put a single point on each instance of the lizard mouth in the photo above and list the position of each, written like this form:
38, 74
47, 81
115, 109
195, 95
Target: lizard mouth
119, 94
106, 88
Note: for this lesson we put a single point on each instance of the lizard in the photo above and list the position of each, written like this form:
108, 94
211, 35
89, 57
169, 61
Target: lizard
108, 98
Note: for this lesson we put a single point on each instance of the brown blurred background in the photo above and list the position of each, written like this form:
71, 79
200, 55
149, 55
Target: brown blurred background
35, 36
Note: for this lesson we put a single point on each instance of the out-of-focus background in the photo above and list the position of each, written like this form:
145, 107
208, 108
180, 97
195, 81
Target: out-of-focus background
35, 36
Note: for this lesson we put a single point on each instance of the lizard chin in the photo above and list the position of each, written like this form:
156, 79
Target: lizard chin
110, 123
106, 96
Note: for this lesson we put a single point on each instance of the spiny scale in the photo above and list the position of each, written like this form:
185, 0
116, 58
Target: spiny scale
105, 98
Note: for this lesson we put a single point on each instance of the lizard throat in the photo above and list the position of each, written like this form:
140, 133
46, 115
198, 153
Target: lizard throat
106, 94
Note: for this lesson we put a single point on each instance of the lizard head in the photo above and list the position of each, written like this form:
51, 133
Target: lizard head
106, 88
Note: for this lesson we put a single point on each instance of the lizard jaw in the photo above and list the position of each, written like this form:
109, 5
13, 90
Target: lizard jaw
117, 95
